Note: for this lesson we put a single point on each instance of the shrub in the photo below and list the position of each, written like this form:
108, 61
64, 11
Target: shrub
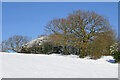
114, 51
58, 49
47, 48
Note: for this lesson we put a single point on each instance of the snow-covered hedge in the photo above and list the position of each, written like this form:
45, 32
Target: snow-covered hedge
114, 51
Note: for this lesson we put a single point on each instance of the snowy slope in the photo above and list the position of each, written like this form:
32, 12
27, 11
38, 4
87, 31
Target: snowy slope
16, 65
1, 56
36, 41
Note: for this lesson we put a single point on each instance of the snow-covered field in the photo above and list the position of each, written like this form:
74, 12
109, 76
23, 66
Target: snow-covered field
1, 66
16, 65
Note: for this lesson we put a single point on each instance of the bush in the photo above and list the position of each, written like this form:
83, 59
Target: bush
114, 52
47, 48
58, 49
35, 49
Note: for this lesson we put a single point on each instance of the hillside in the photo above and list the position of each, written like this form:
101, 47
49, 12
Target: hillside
36, 41
17, 65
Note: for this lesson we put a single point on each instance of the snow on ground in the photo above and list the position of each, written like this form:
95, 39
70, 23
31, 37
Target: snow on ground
36, 41
16, 65
1, 66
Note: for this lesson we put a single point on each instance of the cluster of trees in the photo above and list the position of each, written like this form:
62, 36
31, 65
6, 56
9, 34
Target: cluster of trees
83, 33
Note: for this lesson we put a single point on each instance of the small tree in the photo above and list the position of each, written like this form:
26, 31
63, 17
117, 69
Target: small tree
115, 52
4, 45
14, 43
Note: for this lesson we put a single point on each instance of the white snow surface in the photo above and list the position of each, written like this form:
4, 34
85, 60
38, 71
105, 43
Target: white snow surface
18, 65
1, 56
36, 41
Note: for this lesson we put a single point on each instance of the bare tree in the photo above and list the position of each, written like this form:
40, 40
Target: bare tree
85, 26
14, 43
60, 30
